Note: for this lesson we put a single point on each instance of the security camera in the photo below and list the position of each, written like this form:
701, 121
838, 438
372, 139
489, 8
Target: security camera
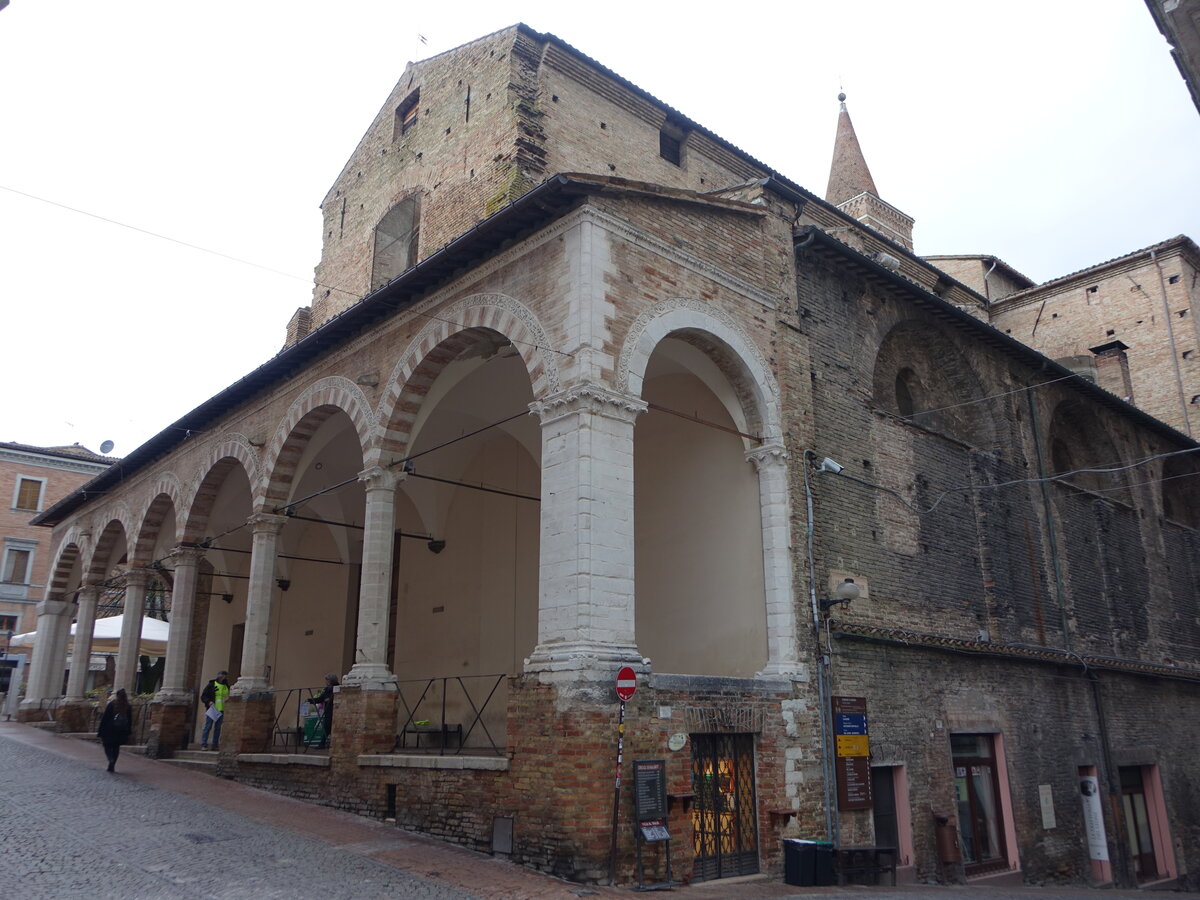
828, 465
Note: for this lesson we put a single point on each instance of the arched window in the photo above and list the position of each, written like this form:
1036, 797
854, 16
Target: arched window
396, 238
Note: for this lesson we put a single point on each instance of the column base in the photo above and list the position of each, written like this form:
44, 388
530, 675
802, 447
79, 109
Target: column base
370, 677
250, 686
76, 716
364, 721
170, 726
584, 657
246, 727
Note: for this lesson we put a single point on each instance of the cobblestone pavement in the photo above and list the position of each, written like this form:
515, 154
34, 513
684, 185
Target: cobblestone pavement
68, 829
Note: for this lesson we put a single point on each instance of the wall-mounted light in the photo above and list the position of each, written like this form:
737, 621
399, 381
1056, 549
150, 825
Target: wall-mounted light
843, 593
436, 546
228, 598
284, 583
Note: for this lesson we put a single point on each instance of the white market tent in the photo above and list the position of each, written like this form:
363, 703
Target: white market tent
106, 637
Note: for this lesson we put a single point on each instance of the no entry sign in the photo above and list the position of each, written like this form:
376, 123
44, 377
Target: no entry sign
626, 683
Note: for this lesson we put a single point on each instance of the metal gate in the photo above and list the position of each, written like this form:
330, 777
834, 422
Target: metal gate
724, 824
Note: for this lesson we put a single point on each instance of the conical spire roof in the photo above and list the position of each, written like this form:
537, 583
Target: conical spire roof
849, 175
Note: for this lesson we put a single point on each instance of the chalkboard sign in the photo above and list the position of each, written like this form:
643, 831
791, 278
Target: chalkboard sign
650, 789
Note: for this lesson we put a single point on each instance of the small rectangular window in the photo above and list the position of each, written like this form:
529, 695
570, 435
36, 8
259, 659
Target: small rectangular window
670, 143
406, 114
29, 494
16, 566
1174, 279
8, 623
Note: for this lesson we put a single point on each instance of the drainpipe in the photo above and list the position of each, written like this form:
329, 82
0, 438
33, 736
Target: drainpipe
987, 290
1162, 287
823, 660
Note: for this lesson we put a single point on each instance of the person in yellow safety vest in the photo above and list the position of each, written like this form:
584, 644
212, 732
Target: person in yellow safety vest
213, 697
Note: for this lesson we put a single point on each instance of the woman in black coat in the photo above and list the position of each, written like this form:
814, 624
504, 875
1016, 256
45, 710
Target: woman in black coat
115, 726
325, 701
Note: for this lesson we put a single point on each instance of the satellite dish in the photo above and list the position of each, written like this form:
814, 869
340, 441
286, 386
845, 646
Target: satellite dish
106, 447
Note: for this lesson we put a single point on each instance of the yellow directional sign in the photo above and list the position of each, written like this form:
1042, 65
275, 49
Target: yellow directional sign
853, 745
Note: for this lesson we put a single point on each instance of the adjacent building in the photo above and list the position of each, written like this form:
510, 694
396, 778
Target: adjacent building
582, 387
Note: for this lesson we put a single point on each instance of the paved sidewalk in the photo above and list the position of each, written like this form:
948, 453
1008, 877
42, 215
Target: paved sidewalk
154, 831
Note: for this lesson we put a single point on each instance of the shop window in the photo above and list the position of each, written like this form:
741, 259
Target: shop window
28, 494
724, 825
981, 805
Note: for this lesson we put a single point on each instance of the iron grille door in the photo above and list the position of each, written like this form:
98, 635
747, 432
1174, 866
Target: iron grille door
724, 824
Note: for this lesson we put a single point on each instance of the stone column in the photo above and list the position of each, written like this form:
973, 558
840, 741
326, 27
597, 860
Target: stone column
259, 600
782, 651
586, 586
49, 653
183, 597
81, 655
136, 581
370, 670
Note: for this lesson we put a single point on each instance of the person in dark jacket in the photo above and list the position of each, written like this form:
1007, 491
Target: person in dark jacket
115, 727
325, 701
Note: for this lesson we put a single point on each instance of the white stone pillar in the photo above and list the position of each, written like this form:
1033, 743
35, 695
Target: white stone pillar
779, 596
259, 600
136, 581
179, 637
370, 670
49, 652
81, 653
586, 577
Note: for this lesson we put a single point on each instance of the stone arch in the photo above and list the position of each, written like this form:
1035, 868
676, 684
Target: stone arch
306, 414
472, 321
69, 554
719, 337
233, 450
146, 536
116, 528
166, 494
921, 376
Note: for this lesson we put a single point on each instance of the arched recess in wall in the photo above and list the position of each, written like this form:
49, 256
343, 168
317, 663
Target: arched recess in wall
396, 241
466, 604
921, 376
1181, 489
1077, 439
698, 561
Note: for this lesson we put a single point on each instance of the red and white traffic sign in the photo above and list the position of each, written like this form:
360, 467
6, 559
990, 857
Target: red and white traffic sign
626, 683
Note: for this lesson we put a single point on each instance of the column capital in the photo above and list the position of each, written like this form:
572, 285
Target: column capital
187, 555
54, 607
381, 478
137, 578
266, 523
89, 592
591, 398
770, 454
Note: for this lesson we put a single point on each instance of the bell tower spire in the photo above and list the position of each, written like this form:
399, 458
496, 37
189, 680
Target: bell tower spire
852, 189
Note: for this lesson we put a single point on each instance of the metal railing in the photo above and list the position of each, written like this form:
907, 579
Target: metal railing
426, 716
304, 729
139, 724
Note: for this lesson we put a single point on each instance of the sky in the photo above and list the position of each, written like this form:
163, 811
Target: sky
1054, 134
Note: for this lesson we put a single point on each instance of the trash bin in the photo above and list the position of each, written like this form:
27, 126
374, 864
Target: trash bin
799, 860
314, 729
823, 873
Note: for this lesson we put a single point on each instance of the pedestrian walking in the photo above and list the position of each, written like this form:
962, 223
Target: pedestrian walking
115, 727
325, 701
213, 697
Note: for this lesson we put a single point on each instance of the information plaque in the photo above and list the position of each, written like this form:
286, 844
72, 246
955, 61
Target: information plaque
650, 789
852, 752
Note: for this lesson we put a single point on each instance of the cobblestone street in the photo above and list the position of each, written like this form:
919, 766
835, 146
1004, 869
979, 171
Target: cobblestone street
154, 831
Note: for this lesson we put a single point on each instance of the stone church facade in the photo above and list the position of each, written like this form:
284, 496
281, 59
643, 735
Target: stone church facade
583, 386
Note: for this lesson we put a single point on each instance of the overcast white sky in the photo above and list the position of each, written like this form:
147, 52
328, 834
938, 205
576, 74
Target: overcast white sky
1053, 133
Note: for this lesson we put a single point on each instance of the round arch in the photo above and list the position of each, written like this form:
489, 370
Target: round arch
474, 321
306, 414
233, 451
69, 555
719, 337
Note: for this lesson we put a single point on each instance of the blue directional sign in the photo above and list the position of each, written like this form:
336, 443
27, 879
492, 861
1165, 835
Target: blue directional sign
850, 723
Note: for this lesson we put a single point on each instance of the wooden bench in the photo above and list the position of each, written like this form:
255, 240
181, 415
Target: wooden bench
864, 860
442, 732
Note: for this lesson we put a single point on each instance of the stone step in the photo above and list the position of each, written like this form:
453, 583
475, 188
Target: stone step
195, 755
208, 766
